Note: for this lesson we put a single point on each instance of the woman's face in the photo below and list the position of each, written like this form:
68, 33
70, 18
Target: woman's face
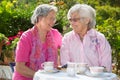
48, 22
78, 23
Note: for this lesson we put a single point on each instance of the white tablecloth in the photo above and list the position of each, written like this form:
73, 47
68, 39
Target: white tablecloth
5, 72
40, 75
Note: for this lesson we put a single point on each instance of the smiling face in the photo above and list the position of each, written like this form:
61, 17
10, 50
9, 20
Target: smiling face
79, 24
47, 22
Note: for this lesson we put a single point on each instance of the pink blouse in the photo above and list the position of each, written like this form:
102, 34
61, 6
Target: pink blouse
94, 50
32, 51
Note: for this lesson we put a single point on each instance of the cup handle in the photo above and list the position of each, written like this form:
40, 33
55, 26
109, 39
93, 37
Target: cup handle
42, 65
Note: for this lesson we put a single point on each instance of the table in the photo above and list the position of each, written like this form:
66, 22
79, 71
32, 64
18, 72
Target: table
62, 75
5, 72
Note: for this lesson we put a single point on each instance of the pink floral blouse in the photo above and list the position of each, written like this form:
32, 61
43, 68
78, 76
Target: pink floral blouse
32, 51
93, 50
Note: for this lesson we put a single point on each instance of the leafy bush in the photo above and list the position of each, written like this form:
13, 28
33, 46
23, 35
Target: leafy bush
105, 12
3, 38
14, 17
111, 29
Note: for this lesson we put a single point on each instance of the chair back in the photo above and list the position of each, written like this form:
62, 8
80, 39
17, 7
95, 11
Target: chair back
12, 65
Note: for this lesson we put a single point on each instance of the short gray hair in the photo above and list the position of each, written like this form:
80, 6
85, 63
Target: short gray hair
84, 11
41, 11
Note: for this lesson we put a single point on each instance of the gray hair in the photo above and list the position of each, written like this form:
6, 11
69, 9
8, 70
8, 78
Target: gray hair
85, 11
41, 11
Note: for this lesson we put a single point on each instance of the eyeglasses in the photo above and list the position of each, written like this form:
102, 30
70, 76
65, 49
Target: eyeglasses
75, 19
53, 19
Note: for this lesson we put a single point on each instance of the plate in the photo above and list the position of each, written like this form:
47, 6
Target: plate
50, 71
104, 74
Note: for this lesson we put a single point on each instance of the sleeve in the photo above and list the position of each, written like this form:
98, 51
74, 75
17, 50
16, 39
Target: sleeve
23, 48
106, 57
64, 51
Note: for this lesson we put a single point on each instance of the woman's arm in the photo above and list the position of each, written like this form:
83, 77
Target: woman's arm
106, 57
23, 51
24, 70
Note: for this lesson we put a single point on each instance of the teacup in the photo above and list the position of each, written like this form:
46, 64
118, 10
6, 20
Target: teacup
48, 66
96, 70
71, 71
81, 68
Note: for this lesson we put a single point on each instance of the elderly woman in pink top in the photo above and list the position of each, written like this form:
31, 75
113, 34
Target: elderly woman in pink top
84, 44
38, 44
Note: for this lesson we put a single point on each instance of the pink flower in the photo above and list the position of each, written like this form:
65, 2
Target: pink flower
11, 38
19, 34
8, 43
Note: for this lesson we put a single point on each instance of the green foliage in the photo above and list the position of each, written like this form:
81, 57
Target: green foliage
14, 16
3, 38
105, 12
113, 2
12, 45
61, 17
69, 3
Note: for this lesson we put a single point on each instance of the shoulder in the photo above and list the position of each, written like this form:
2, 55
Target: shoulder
69, 34
94, 32
100, 36
69, 37
56, 33
26, 35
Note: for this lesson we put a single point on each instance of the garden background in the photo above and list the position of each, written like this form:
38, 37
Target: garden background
15, 19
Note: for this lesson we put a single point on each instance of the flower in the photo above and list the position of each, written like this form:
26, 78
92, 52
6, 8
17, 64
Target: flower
11, 44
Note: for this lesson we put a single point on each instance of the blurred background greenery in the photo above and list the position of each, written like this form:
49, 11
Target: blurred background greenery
15, 17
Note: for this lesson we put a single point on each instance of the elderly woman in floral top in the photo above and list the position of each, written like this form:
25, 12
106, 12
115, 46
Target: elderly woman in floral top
38, 44
84, 44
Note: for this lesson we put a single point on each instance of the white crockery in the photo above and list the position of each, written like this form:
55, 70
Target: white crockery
47, 66
71, 69
81, 68
96, 70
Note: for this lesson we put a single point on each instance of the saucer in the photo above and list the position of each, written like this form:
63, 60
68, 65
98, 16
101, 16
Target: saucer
50, 71
104, 74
